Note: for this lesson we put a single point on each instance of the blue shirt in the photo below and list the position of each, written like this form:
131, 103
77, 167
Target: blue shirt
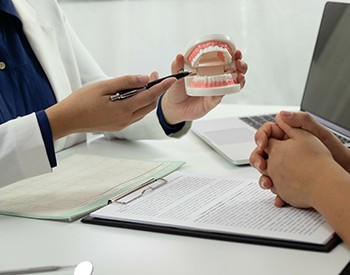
24, 87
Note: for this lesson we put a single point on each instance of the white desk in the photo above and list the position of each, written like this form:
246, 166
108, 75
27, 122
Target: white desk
27, 242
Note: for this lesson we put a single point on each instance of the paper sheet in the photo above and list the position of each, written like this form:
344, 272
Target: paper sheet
226, 205
80, 184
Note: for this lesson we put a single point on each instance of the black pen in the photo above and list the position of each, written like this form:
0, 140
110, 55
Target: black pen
131, 92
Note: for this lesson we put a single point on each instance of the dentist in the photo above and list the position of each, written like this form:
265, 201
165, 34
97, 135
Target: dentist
52, 93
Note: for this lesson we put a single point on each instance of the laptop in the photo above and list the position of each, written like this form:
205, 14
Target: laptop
326, 95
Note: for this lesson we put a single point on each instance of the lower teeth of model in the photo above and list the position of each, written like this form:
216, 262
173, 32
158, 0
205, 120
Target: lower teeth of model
213, 80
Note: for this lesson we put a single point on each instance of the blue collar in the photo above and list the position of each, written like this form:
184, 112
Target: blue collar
8, 7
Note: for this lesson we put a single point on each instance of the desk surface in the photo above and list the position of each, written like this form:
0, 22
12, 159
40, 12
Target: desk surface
29, 242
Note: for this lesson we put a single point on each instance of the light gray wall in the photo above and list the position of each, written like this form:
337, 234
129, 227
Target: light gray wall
276, 37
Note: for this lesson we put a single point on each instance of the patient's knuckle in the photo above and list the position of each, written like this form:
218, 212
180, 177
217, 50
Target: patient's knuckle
306, 117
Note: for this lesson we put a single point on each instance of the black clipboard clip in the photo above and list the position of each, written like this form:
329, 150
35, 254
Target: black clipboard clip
139, 191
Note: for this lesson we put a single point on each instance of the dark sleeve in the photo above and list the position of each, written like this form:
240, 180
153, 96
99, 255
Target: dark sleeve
168, 128
46, 133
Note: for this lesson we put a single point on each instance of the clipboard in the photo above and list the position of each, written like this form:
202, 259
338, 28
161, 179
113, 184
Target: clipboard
158, 183
215, 236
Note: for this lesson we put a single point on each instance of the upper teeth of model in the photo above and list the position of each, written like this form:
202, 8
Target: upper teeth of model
196, 60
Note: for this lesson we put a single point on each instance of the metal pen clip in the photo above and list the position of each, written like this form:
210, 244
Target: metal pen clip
119, 96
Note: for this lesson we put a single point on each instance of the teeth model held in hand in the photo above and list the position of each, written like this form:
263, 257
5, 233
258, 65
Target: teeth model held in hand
211, 60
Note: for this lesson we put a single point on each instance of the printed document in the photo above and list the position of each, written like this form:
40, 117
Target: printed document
223, 205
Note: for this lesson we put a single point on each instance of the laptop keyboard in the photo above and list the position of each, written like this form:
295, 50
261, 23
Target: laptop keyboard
257, 121
344, 140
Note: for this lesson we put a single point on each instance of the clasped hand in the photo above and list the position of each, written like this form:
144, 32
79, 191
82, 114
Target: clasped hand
292, 155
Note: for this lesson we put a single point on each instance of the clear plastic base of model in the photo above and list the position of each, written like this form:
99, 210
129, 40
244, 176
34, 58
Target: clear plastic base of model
211, 60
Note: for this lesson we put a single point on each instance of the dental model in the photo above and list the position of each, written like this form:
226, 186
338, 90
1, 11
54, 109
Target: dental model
211, 60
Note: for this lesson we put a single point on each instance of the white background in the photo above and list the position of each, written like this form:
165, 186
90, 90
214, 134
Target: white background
277, 38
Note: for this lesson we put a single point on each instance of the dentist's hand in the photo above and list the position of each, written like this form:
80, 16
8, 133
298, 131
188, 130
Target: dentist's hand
89, 108
177, 106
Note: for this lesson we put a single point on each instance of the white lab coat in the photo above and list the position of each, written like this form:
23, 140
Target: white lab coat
68, 66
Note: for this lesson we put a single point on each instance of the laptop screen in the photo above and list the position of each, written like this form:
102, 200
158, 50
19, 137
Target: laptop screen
327, 90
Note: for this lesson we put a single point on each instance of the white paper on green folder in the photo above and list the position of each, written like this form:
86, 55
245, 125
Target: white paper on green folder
79, 185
